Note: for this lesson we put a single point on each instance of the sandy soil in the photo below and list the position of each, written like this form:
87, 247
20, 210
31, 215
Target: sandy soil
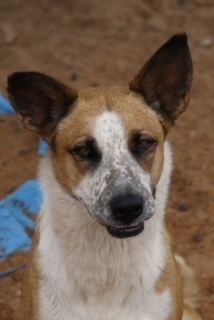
89, 43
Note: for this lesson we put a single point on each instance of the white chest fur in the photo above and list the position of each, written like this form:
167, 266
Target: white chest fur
116, 281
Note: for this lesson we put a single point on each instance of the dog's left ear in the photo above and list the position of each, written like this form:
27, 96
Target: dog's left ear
165, 80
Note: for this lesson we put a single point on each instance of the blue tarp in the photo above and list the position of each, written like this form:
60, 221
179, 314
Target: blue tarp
16, 218
5, 106
17, 211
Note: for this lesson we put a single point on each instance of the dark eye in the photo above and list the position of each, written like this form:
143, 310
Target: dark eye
87, 151
82, 151
142, 145
147, 144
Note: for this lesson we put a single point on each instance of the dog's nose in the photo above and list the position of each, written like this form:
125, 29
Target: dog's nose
126, 207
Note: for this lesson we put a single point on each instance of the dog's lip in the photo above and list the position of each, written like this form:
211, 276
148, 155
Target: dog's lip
126, 231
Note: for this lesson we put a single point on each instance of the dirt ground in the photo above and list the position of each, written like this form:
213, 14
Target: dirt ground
90, 43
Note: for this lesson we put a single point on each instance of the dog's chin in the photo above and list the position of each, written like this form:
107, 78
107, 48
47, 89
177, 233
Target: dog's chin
125, 232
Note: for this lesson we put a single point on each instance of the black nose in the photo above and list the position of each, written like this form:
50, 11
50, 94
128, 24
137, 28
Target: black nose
126, 207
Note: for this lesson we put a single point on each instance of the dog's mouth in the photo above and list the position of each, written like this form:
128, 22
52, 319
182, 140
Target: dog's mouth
127, 231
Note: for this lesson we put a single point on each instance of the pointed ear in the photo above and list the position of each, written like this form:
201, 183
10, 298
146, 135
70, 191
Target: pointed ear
166, 78
40, 101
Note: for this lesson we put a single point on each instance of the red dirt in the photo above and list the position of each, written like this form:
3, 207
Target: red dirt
90, 43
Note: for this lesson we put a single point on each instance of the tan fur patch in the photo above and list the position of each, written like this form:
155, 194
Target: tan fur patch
171, 278
190, 314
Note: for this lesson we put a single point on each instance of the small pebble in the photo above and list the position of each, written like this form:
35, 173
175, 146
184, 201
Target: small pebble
183, 207
18, 293
198, 238
192, 134
5, 163
206, 43
10, 35
16, 278
95, 84
74, 76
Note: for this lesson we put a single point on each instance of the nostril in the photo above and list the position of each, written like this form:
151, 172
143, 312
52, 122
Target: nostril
137, 210
127, 207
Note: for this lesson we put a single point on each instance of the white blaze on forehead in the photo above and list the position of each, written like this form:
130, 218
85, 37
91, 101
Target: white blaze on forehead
110, 132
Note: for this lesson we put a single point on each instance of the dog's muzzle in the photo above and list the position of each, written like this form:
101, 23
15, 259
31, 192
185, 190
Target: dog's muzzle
128, 212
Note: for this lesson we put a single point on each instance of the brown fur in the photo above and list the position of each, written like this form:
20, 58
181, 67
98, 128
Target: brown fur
171, 278
190, 314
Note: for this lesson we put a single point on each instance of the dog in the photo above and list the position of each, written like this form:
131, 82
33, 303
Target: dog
102, 250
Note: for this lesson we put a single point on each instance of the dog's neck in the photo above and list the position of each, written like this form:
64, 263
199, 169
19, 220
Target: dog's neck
81, 241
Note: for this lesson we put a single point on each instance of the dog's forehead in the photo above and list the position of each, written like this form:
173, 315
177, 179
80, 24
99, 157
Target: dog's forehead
109, 112
109, 132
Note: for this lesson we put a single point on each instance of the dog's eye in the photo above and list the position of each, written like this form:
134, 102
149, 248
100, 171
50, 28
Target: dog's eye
147, 144
88, 151
83, 151
142, 145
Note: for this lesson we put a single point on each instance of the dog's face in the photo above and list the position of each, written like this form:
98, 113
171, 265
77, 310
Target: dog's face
107, 143
111, 158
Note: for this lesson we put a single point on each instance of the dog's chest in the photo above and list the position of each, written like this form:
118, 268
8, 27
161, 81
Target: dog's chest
103, 295
125, 302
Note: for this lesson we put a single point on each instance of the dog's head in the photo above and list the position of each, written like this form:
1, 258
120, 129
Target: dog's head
106, 144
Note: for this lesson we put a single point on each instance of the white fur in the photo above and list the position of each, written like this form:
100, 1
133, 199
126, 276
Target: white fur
96, 276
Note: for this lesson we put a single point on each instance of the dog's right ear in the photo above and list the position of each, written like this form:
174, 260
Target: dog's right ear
39, 101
